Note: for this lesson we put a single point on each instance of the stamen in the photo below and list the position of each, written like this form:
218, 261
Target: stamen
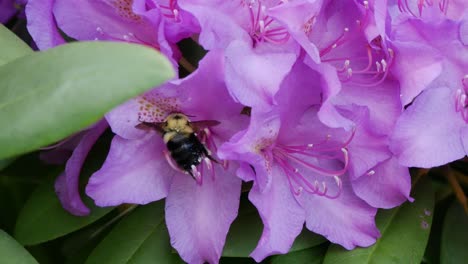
337, 42
461, 99
406, 6
291, 158
261, 26
173, 10
129, 37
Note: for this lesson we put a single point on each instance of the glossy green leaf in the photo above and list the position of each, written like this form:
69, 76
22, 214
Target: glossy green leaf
312, 255
454, 236
11, 47
13, 253
141, 237
49, 95
43, 218
405, 232
246, 230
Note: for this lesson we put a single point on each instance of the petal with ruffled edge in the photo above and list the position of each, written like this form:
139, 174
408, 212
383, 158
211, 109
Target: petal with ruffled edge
331, 86
383, 102
218, 27
198, 217
135, 171
253, 76
347, 220
248, 146
387, 185
428, 132
283, 218
298, 17
66, 185
42, 25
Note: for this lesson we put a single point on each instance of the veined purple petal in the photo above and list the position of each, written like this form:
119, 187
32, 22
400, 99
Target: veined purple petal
135, 171
254, 77
42, 25
124, 118
66, 185
385, 186
346, 220
198, 217
428, 132
283, 218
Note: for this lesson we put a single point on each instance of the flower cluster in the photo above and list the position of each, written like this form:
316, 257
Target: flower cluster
322, 104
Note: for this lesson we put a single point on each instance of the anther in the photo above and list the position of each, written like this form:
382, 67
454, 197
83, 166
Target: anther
384, 65
371, 172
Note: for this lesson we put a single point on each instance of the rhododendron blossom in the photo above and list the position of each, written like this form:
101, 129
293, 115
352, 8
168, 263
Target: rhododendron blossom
316, 108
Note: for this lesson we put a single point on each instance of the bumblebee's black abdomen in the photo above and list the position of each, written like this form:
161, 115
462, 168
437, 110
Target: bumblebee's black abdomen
186, 150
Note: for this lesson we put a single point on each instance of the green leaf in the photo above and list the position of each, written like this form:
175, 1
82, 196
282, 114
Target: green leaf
312, 255
49, 95
6, 162
454, 236
405, 232
141, 237
246, 230
13, 252
11, 47
43, 218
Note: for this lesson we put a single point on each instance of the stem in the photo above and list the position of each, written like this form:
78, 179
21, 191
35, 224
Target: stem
461, 197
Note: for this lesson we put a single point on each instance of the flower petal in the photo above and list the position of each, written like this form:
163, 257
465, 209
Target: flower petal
254, 76
66, 185
283, 218
386, 186
124, 118
135, 171
198, 217
347, 220
418, 142
42, 25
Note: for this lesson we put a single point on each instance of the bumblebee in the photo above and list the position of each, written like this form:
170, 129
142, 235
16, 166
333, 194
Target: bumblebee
179, 135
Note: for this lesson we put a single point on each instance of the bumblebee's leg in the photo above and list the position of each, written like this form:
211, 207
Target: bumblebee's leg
196, 175
169, 160
209, 166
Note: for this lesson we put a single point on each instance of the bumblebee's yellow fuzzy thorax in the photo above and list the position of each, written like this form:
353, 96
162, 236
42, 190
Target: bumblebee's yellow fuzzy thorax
176, 123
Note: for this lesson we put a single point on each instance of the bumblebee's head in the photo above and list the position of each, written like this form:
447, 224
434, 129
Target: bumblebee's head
177, 122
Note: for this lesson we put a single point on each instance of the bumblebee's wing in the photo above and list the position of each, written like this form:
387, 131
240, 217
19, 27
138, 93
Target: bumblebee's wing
151, 126
199, 125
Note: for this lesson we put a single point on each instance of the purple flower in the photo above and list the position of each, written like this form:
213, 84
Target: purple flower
11, 8
439, 71
304, 171
138, 168
73, 151
258, 49
7, 10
